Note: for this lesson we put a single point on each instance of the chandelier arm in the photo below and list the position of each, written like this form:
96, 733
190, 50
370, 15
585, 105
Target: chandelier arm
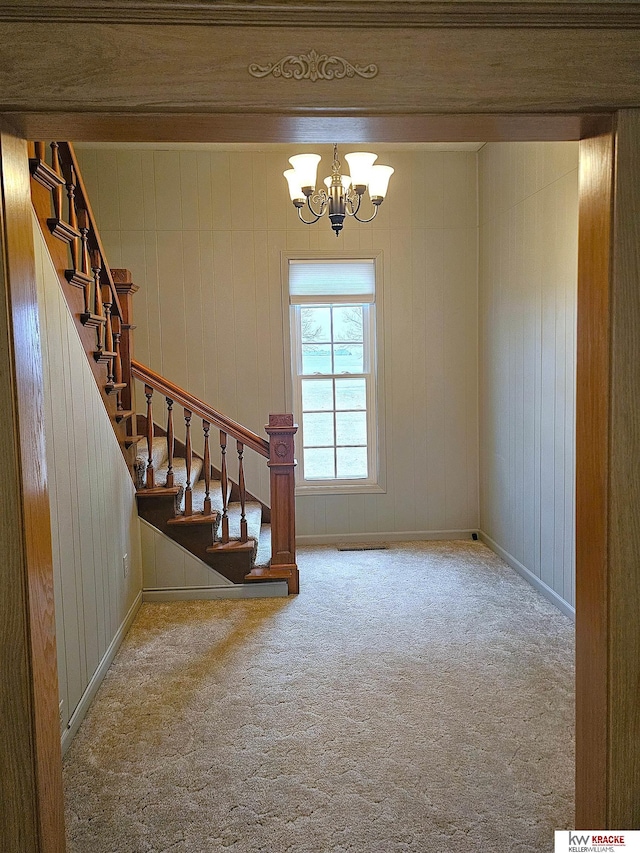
375, 213
350, 204
309, 221
317, 197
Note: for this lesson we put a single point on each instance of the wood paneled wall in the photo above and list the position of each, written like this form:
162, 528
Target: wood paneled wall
94, 518
167, 565
528, 298
203, 232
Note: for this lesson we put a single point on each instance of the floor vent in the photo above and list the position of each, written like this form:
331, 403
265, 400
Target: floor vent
363, 547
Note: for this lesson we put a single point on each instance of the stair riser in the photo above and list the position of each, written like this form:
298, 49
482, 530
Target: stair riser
158, 509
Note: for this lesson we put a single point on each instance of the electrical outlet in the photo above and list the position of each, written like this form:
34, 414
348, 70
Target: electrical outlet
125, 565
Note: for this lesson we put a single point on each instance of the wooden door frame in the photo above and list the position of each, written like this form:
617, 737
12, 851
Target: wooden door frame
608, 532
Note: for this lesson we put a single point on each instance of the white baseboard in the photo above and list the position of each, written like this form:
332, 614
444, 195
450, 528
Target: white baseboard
266, 589
395, 536
550, 594
92, 688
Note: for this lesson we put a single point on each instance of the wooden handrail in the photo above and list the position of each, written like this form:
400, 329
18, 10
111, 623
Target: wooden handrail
199, 408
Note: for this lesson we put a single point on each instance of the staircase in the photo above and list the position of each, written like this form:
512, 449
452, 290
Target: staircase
240, 558
179, 491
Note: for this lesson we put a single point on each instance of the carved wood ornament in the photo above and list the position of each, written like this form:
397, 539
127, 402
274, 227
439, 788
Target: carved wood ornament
313, 66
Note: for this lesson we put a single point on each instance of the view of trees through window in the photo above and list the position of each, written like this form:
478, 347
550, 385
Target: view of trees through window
333, 383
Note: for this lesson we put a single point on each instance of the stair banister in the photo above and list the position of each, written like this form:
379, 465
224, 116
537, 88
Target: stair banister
200, 408
279, 450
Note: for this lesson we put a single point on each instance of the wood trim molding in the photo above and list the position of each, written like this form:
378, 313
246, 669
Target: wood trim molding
592, 449
623, 588
607, 483
31, 803
232, 127
345, 13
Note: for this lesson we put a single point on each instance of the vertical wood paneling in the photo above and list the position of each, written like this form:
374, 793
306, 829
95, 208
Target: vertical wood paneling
130, 191
213, 228
92, 500
166, 565
528, 274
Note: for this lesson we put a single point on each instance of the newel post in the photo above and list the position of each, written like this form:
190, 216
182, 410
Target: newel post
126, 288
282, 463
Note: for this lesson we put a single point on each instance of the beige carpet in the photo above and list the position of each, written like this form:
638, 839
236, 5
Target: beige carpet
410, 700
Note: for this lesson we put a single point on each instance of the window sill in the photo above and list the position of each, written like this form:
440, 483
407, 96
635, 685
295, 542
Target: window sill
306, 489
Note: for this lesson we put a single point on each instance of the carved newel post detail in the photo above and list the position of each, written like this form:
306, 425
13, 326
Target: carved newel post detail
281, 431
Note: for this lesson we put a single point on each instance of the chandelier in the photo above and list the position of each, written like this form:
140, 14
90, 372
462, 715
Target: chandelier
343, 194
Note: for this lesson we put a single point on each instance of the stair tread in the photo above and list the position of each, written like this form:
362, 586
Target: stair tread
253, 514
233, 545
158, 453
158, 490
263, 554
197, 518
128, 440
179, 471
198, 492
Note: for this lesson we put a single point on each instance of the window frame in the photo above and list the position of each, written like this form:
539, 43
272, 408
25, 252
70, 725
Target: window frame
375, 482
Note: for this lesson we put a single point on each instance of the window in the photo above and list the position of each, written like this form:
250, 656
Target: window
333, 334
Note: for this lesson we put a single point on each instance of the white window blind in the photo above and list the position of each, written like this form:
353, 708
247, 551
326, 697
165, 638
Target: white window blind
331, 281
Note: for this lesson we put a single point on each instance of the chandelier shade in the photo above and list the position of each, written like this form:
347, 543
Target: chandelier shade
306, 167
379, 181
346, 182
360, 163
343, 194
295, 187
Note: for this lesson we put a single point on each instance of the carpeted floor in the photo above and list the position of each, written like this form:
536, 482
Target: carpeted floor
410, 700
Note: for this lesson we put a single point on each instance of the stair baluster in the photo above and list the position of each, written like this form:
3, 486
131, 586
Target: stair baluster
83, 224
224, 485
40, 149
73, 217
148, 393
170, 442
206, 426
96, 269
188, 492
57, 192
107, 300
125, 288
117, 361
243, 493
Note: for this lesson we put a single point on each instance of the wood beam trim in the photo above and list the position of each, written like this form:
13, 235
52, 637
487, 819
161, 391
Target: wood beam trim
264, 129
372, 15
